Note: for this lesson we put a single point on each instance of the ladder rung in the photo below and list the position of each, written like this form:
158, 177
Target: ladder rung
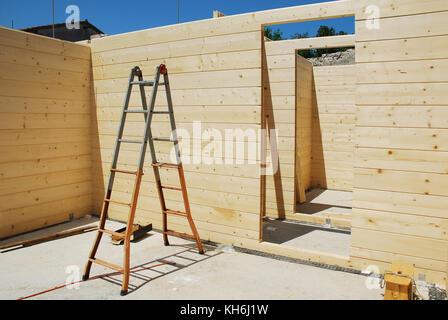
124, 171
131, 141
179, 234
171, 188
178, 213
163, 139
118, 202
137, 111
107, 264
144, 83
117, 234
161, 112
165, 165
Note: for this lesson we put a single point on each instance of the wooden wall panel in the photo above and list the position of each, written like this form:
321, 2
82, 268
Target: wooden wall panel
50, 142
215, 67
400, 173
215, 79
279, 110
328, 147
303, 120
333, 127
45, 153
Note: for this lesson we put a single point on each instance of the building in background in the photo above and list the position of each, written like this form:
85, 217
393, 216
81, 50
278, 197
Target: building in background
86, 31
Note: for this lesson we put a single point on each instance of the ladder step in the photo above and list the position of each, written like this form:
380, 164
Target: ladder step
131, 141
165, 165
175, 212
163, 139
179, 234
117, 202
171, 188
161, 112
117, 234
137, 111
144, 83
107, 264
124, 171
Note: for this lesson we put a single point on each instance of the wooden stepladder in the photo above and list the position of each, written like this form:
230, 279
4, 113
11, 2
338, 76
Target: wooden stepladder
147, 139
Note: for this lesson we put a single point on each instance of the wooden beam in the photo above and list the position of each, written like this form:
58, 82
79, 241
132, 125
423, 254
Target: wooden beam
59, 235
423, 25
316, 11
252, 21
322, 219
285, 46
396, 8
42, 44
397, 243
303, 121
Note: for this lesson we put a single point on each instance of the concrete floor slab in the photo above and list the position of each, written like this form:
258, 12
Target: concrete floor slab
309, 237
323, 200
221, 273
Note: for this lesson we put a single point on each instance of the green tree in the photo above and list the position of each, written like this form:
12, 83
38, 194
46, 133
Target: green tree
325, 31
300, 35
273, 35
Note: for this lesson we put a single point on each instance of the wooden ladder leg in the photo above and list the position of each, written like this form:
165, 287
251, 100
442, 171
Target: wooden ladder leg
195, 233
126, 262
99, 235
165, 228
129, 230
188, 211
162, 206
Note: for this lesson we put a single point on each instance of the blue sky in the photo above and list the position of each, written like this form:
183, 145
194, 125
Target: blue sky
113, 17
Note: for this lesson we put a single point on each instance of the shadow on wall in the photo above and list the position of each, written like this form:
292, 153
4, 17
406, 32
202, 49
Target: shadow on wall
269, 120
98, 187
318, 174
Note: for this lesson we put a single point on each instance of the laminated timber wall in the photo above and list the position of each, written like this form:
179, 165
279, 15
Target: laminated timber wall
333, 127
215, 74
321, 122
400, 179
279, 105
304, 99
215, 79
44, 131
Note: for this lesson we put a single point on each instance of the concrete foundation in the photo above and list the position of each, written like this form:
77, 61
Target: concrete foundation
323, 200
221, 273
304, 236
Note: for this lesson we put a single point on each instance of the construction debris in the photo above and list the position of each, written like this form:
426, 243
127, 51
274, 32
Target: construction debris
137, 233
